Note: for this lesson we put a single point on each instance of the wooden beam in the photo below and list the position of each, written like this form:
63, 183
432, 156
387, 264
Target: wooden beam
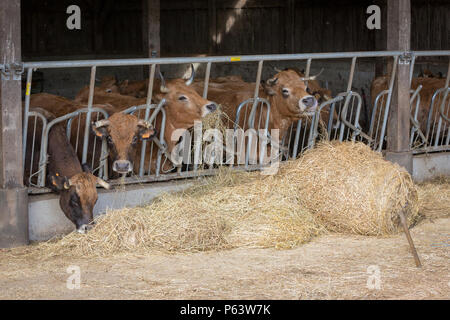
151, 20
398, 38
212, 17
289, 28
13, 196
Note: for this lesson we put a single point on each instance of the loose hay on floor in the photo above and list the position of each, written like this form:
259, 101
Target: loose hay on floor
434, 198
343, 187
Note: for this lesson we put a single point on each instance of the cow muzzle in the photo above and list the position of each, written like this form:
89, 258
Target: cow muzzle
208, 108
122, 166
307, 105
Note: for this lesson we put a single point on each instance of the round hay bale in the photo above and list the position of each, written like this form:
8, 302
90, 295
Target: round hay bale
352, 189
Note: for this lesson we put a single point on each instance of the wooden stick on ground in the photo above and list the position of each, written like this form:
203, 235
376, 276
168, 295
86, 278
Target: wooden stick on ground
410, 240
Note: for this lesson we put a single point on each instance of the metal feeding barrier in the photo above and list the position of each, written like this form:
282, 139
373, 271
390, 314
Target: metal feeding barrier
429, 118
336, 118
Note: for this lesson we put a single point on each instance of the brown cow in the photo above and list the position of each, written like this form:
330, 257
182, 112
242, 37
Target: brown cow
183, 107
286, 92
108, 84
127, 125
119, 101
429, 87
74, 183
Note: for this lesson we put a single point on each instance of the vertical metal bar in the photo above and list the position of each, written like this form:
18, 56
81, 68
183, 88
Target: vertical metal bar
411, 70
147, 114
297, 138
251, 119
352, 73
388, 103
207, 75
25, 114
88, 114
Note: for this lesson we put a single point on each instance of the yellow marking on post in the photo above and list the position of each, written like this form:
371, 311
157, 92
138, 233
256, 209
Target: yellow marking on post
28, 89
233, 59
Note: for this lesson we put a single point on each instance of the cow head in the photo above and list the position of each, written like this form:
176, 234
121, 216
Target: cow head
122, 133
184, 105
78, 196
290, 93
109, 84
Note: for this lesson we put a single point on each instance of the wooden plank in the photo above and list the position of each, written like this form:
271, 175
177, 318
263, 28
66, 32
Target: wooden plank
10, 98
13, 196
212, 26
289, 26
152, 29
398, 38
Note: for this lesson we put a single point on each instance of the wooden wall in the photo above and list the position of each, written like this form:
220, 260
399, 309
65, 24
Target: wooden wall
190, 27
108, 27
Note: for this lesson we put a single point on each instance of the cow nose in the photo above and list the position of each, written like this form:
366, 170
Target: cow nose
308, 102
122, 166
211, 107
83, 229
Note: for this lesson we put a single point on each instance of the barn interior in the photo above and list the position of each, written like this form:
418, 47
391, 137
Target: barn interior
180, 28
116, 29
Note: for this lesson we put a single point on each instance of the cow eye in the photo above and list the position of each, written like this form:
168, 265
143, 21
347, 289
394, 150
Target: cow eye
285, 92
135, 140
74, 203
109, 139
182, 98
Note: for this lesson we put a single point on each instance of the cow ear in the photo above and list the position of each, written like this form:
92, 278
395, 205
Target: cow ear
86, 168
268, 88
100, 132
145, 130
58, 183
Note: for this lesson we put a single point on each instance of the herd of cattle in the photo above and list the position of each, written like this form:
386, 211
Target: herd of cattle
292, 96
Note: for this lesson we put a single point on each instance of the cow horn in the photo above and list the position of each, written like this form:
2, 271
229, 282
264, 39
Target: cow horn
273, 81
311, 77
144, 123
163, 87
277, 70
191, 78
103, 183
101, 123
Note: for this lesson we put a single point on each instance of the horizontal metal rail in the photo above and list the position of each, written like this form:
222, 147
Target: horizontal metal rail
234, 58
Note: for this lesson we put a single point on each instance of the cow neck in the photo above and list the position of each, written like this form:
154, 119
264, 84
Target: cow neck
278, 120
168, 135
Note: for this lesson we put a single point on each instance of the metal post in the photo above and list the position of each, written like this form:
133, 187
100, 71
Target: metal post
147, 114
25, 114
399, 30
13, 196
88, 114
207, 75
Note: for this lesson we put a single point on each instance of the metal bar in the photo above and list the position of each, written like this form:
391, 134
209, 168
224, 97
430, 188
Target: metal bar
88, 115
207, 75
352, 72
25, 114
441, 108
147, 114
245, 58
388, 103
